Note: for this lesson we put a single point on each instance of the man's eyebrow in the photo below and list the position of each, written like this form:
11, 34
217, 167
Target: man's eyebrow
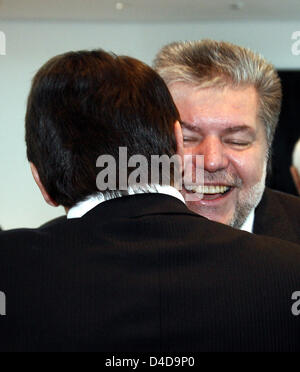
239, 128
191, 127
230, 130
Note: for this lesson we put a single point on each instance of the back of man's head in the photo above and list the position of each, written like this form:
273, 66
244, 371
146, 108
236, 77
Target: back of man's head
214, 64
86, 104
295, 169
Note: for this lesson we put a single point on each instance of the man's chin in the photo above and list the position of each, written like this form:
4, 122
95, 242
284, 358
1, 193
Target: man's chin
232, 209
218, 208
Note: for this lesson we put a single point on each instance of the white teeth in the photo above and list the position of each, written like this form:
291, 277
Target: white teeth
189, 188
211, 190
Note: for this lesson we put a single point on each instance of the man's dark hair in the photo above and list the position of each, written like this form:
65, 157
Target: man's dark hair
90, 103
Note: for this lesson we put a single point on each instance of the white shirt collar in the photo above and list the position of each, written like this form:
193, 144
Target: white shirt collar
82, 208
249, 223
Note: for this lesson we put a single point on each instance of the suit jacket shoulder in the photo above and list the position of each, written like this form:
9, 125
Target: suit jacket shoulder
278, 215
55, 221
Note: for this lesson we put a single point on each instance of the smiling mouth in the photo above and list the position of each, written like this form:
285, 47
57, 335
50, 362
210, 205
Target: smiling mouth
210, 192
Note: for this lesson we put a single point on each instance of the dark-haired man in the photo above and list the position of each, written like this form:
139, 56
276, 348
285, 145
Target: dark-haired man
131, 269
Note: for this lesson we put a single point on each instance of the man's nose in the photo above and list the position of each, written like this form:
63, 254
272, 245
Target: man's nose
215, 158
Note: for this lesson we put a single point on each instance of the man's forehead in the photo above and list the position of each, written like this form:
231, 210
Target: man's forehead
225, 108
181, 89
185, 90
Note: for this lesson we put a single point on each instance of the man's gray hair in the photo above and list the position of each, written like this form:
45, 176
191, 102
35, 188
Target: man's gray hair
208, 63
296, 156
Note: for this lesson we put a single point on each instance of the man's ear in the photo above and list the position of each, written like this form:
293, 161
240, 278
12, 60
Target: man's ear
44, 192
296, 178
179, 139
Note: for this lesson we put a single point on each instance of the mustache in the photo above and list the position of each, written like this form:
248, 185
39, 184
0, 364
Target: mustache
223, 178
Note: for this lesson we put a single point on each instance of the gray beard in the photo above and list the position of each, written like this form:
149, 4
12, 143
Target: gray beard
250, 201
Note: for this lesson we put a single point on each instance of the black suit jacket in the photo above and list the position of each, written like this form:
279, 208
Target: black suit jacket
143, 273
278, 215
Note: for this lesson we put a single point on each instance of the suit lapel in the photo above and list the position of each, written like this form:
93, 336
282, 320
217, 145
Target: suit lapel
271, 219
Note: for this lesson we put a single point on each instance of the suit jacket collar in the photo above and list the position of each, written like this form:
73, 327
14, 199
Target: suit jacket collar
272, 218
139, 205
83, 207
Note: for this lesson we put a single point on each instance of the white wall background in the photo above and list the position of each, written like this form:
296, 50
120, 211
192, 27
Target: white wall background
30, 44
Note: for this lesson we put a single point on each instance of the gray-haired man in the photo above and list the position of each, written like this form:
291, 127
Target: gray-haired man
229, 99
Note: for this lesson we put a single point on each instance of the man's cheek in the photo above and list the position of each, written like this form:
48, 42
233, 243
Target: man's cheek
249, 167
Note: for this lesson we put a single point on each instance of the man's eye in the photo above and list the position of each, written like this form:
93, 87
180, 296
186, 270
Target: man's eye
189, 140
238, 143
